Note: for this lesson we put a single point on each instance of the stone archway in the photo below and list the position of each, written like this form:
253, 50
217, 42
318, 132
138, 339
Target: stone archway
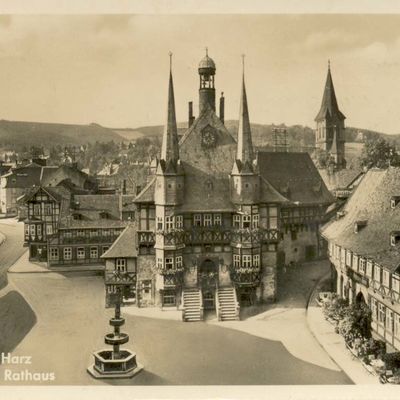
360, 299
208, 282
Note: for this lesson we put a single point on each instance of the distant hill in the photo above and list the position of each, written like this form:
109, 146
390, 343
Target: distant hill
15, 134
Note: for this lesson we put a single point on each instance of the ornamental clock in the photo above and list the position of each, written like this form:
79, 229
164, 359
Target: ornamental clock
208, 138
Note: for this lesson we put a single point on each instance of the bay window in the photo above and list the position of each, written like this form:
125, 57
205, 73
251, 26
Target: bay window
217, 219
236, 260
169, 223
246, 221
179, 221
178, 262
385, 278
246, 260
120, 264
197, 220
207, 220
377, 273
236, 221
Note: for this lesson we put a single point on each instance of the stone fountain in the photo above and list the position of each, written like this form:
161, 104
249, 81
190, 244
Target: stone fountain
115, 363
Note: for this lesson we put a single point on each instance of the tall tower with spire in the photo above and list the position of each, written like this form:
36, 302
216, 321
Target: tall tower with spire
168, 193
244, 177
330, 129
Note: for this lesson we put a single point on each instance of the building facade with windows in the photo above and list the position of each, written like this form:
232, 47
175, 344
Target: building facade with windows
208, 222
364, 249
66, 228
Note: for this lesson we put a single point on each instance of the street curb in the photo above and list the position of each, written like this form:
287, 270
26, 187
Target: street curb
311, 295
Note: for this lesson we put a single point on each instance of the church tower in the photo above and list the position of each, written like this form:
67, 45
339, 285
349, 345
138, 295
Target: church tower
330, 130
244, 177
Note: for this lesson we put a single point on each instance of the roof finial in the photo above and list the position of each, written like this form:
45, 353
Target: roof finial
329, 64
170, 60
206, 51
243, 56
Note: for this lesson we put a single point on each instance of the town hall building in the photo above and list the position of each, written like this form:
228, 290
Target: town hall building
208, 223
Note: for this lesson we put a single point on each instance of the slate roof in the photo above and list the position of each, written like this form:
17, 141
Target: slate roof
91, 205
370, 202
294, 176
340, 179
24, 177
147, 194
125, 246
329, 106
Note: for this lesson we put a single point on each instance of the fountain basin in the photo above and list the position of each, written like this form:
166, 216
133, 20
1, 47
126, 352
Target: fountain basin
107, 365
113, 339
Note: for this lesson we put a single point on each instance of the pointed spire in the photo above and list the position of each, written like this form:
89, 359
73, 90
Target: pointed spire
244, 142
170, 147
329, 105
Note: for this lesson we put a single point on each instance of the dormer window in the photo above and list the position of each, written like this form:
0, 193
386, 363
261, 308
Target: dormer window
358, 225
394, 238
394, 201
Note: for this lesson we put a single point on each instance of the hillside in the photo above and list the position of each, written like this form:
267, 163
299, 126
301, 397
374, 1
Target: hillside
17, 134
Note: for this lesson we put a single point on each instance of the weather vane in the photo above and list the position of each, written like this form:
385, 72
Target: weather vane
170, 59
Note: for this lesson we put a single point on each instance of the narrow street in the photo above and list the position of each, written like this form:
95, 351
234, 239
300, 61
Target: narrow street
12, 248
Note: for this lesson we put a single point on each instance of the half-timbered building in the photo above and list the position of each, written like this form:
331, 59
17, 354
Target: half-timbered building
208, 222
364, 249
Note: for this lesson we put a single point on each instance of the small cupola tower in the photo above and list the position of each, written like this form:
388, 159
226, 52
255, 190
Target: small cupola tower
207, 83
169, 174
330, 129
245, 185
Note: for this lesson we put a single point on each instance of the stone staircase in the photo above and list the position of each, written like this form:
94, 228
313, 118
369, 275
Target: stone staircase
227, 305
192, 304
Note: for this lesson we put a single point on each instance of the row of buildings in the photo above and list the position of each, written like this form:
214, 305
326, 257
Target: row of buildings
364, 249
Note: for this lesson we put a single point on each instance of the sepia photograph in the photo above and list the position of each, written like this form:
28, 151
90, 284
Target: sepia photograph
199, 199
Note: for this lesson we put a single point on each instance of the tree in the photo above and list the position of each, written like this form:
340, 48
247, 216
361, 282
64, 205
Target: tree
379, 153
356, 322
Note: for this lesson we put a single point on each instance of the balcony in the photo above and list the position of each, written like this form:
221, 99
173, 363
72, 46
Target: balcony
117, 277
146, 238
255, 236
210, 235
245, 276
173, 276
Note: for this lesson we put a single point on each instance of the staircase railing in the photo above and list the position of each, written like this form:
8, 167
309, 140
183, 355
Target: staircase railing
237, 308
218, 305
201, 305
183, 305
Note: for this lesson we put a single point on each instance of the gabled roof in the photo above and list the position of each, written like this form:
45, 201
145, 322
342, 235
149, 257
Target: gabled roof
341, 179
370, 202
294, 176
147, 194
329, 106
125, 246
207, 117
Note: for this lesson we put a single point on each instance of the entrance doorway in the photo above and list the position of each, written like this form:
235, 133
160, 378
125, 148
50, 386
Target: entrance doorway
360, 298
208, 283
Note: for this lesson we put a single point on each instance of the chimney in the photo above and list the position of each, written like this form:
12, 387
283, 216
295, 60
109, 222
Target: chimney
191, 117
222, 108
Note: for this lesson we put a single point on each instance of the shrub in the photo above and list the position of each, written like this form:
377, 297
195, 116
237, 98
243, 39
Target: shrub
335, 309
392, 360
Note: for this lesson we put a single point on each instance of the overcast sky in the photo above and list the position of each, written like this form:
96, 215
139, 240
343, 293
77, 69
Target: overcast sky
113, 70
